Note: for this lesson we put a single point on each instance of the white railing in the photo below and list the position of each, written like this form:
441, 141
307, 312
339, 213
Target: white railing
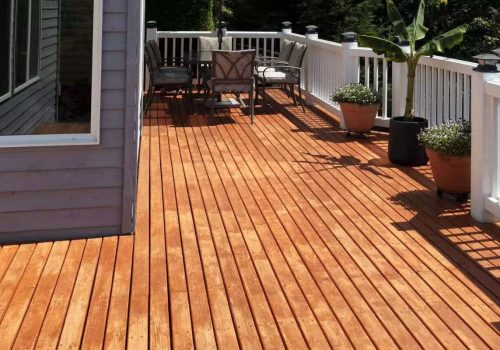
485, 195
443, 89
442, 85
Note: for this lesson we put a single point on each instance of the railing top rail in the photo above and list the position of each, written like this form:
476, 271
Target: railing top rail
364, 52
324, 44
493, 89
449, 64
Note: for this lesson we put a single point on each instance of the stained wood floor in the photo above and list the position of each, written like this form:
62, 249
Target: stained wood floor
284, 234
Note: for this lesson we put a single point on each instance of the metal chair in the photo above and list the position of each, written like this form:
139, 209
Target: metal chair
283, 58
166, 78
284, 74
233, 71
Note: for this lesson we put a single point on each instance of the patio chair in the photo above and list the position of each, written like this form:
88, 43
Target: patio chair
233, 71
285, 74
166, 78
283, 58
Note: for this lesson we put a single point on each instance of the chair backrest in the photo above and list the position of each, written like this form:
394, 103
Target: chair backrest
156, 51
233, 66
210, 43
297, 56
150, 62
286, 50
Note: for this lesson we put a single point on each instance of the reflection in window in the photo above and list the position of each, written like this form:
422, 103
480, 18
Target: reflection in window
45, 85
5, 24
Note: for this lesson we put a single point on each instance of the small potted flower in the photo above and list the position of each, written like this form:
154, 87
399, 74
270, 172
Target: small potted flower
359, 106
448, 147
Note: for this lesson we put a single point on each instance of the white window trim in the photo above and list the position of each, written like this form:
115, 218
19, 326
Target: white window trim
92, 138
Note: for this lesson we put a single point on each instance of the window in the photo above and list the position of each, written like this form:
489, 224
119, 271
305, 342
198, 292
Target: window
50, 89
20, 38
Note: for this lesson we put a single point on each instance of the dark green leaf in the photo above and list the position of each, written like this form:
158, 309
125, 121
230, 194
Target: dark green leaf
384, 47
443, 42
396, 20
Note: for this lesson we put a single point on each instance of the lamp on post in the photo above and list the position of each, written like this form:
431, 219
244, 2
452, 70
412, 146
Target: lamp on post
487, 62
312, 31
286, 27
349, 37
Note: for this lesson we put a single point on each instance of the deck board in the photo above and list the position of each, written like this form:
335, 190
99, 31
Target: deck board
283, 234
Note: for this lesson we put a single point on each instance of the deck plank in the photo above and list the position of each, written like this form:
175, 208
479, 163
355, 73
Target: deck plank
281, 234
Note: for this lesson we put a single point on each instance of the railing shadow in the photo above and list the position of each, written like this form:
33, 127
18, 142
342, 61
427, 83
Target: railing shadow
471, 247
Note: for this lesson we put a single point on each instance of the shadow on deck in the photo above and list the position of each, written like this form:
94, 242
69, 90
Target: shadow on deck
283, 233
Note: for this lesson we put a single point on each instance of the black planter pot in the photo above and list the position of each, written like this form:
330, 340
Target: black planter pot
404, 148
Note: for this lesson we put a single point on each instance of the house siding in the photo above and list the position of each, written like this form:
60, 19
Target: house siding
35, 104
78, 191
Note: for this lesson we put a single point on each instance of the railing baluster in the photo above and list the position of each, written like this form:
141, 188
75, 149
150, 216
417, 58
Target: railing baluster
460, 97
385, 85
446, 97
439, 97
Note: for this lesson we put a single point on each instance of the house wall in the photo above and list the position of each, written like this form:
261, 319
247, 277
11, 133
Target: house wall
78, 191
21, 113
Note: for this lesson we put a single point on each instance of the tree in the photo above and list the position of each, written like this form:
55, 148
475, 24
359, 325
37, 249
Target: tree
181, 14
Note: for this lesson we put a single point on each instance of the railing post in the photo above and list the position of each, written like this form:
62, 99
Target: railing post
399, 84
311, 34
152, 30
350, 64
482, 119
286, 27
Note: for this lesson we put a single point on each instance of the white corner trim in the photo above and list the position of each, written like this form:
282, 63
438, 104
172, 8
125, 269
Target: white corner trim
92, 138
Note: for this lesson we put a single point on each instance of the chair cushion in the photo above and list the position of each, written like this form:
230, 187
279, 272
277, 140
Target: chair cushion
297, 55
260, 69
210, 43
286, 49
278, 77
172, 76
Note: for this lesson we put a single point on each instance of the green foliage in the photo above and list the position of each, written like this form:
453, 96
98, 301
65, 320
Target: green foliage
181, 14
357, 94
452, 139
413, 34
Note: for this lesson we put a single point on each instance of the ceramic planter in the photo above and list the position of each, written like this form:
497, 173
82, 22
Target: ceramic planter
451, 173
359, 118
404, 147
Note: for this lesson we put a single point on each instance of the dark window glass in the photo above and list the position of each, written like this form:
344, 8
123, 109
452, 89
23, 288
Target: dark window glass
5, 22
21, 48
34, 38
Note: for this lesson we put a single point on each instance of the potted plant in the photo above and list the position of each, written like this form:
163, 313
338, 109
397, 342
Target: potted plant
359, 106
449, 147
404, 148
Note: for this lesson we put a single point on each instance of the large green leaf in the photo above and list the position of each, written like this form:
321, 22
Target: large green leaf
396, 20
384, 47
443, 42
417, 29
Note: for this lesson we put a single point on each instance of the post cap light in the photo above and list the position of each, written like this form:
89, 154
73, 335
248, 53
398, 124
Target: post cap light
222, 25
496, 52
486, 62
151, 24
311, 29
286, 25
349, 37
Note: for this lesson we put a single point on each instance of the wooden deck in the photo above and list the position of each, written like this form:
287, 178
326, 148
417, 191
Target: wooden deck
284, 234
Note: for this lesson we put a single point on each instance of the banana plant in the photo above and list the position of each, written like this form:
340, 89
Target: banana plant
412, 33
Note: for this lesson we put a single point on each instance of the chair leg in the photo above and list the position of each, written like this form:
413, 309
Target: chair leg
292, 91
252, 106
286, 90
212, 97
301, 99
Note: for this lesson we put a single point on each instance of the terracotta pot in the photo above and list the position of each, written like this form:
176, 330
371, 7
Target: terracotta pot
451, 173
359, 118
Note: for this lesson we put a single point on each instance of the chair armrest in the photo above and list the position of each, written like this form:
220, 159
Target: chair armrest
269, 61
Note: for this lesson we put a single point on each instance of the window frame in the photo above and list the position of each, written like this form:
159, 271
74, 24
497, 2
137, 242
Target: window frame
84, 139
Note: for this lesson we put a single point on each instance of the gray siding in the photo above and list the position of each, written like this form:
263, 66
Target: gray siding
35, 104
78, 191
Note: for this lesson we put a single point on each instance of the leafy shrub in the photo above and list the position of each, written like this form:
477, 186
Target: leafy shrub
453, 138
357, 94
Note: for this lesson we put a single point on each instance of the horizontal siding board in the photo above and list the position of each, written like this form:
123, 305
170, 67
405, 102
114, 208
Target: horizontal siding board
114, 61
115, 22
60, 179
51, 235
114, 41
59, 199
113, 80
63, 159
58, 219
